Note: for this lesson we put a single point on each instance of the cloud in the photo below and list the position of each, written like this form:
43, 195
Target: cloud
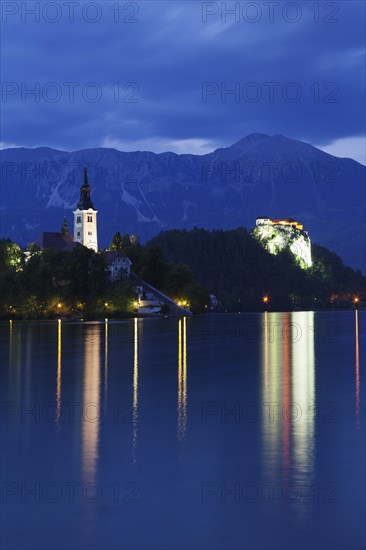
180, 146
349, 147
169, 53
4, 145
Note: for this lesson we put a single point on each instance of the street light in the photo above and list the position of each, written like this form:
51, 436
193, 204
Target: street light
265, 299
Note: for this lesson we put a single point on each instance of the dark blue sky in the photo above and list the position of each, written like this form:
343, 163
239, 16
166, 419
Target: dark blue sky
296, 68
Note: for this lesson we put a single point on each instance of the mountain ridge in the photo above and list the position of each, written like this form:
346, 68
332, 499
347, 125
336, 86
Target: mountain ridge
144, 192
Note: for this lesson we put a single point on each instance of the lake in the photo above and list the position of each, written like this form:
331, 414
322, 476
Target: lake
213, 432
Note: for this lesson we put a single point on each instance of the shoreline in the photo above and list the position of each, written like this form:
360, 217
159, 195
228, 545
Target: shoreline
103, 319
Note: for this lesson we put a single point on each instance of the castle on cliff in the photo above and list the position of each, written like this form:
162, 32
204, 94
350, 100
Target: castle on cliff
276, 235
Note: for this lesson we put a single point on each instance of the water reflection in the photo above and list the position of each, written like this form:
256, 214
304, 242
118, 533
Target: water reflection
28, 378
15, 360
59, 368
105, 362
265, 345
303, 393
91, 402
10, 343
288, 397
357, 357
182, 379
135, 385
271, 386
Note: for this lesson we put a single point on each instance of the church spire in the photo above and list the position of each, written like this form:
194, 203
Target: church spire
85, 201
86, 183
85, 217
65, 228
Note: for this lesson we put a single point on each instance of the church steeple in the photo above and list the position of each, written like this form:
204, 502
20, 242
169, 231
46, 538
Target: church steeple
85, 218
85, 201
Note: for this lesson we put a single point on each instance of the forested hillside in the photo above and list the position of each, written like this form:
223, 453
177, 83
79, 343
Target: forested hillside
234, 266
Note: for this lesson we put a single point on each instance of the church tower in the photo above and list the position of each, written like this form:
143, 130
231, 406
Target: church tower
85, 218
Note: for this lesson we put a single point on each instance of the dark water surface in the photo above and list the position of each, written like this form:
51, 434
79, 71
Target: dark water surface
216, 432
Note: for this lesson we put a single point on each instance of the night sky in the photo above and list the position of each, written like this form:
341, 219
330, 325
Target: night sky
294, 68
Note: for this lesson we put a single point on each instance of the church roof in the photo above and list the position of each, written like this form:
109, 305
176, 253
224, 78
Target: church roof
59, 241
85, 201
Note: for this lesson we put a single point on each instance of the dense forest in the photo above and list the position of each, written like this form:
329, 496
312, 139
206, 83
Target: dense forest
235, 267
183, 264
47, 283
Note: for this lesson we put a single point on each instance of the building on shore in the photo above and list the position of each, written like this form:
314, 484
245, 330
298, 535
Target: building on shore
118, 265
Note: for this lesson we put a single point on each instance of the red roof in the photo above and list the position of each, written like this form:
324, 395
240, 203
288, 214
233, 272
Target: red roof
59, 241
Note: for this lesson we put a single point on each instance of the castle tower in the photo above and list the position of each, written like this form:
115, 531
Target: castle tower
85, 218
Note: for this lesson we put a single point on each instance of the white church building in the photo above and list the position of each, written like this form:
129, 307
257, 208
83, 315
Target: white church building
118, 265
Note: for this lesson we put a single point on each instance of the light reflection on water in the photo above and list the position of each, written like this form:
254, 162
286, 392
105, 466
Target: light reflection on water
135, 384
91, 403
288, 400
182, 380
59, 373
357, 375
288, 386
106, 361
285, 369
303, 395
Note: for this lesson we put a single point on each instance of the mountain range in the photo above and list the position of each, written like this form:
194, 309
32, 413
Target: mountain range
144, 193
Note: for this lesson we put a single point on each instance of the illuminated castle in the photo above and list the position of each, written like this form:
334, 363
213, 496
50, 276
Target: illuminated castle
289, 221
275, 235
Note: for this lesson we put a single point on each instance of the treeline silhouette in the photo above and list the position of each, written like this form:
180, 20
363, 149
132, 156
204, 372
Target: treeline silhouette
236, 268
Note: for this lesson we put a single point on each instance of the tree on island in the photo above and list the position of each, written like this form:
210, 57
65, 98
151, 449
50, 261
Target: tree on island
131, 247
184, 265
11, 255
119, 242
